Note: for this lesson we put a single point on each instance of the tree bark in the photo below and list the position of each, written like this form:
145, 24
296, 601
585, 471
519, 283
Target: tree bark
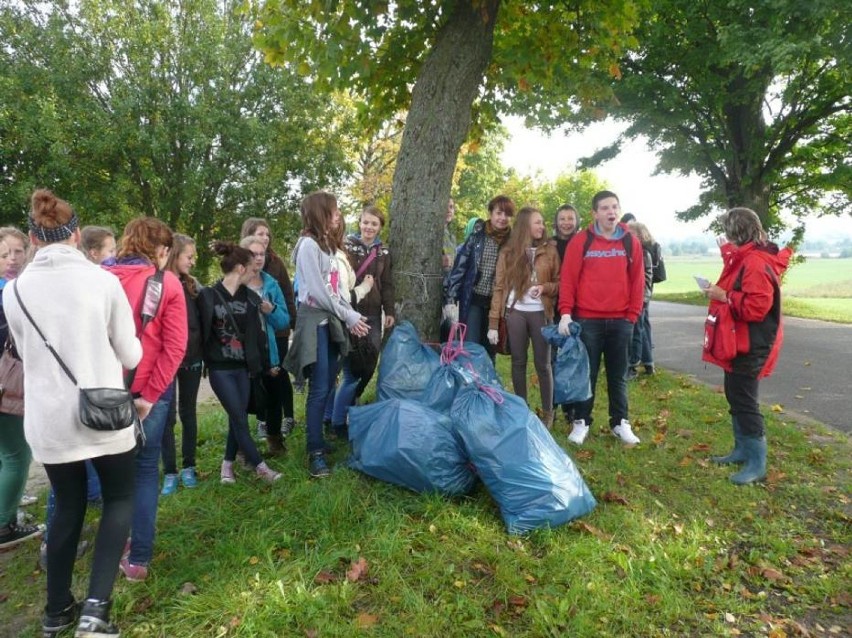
436, 127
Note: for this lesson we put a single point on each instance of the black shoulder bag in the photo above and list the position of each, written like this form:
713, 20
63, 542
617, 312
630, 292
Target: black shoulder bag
102, 409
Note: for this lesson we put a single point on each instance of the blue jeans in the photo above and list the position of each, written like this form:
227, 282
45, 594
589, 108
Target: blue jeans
147, 483
641, 348
345, 396
610, 338
321, 376
232, 388
477, 328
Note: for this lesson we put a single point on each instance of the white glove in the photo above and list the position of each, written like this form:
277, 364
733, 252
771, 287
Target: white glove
451, 313
493, 337
565, 325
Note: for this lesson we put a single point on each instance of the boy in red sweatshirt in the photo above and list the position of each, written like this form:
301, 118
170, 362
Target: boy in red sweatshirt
601, 286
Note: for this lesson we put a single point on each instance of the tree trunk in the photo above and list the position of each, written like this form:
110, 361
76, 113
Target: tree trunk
437, 125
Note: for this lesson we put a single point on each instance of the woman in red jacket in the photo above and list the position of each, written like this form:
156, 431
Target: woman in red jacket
744, 333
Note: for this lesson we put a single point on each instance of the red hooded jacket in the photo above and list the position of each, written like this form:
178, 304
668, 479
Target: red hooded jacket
751, 277
164, 338
602, 283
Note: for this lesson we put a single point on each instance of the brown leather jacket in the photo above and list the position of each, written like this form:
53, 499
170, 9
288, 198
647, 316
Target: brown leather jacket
547, 267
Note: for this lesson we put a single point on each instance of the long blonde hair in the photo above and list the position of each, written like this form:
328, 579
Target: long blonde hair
518, 265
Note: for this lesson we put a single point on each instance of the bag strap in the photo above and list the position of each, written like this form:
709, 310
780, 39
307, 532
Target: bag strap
152, 298
369, 260
41, 334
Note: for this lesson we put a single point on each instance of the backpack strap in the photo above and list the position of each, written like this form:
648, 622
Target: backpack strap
152, 298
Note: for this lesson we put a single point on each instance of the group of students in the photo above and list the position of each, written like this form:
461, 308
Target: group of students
599, 275
134, 305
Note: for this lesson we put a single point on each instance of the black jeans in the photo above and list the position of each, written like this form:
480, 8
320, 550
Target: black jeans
609, 338
741, 392
68, 480
186, 391
279, 394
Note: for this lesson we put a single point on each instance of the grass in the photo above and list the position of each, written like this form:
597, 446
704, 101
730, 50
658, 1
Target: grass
815, 289
673, 549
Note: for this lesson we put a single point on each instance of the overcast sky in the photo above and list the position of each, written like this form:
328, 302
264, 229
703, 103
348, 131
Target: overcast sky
653, 199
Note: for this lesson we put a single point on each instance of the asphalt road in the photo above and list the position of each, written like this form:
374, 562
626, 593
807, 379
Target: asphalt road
813, 377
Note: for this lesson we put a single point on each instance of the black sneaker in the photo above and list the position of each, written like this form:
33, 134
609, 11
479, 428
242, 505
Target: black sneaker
287, 426
94, 620
52, 624
13, 534
317, 467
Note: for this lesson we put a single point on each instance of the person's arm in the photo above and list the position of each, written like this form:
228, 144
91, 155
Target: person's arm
498, 293
754, 300
569, 274
312, 283
388, 291
279, 318
636, 282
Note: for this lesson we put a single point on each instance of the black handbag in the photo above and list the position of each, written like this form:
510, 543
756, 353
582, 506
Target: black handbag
102, 409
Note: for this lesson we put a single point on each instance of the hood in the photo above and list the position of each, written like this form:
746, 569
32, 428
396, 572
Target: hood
618, 233
128, 274
356, 238
769, 253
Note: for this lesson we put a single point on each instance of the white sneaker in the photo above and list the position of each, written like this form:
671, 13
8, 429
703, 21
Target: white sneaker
579, 432
624, 431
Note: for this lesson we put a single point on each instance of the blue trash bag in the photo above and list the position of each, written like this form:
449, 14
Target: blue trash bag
405, 443
406, 365
571, 381
461, 364
532, 479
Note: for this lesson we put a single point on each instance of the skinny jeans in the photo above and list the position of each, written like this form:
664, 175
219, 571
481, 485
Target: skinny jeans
184, 403
231, 387
522, 328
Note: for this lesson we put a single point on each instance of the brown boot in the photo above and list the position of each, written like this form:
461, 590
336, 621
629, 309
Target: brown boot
547, 419
275, 445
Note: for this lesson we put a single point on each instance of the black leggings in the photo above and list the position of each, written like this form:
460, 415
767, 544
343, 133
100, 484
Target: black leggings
116, 473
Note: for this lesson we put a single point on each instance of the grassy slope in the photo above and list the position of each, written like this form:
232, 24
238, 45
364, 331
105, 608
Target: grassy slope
673, 549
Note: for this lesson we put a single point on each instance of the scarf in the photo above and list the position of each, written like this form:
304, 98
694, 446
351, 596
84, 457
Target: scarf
499, 236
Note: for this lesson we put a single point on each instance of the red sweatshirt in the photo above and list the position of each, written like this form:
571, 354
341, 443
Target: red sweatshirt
602, 284
164, 338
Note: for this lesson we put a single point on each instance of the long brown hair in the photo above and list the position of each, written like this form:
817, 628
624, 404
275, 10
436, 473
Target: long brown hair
518, 267
142, 236
316, 219
179, 242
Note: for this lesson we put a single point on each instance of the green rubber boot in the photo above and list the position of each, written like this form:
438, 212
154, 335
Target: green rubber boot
737, 455
754, 469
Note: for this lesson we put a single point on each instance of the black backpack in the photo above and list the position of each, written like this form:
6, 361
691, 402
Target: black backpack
658, 265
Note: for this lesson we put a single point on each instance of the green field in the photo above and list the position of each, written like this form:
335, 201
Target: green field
814, 289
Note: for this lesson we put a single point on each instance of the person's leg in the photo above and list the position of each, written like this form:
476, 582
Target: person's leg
68, 481
286, 385
541, 360
169, 454
615, 347
375, 336
189, 382
344, 398
742, 394
647, 339
232, 389
274, 413
93, 484
477, 329
146, 482
634, 347
593, 337
516, 326
117, 478
319, 385
15, 457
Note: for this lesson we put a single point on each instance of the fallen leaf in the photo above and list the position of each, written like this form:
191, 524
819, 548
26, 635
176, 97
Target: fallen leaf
685, 461
770, 573
729, 617
324, 578
518, 601
805, 389
678, 528
774, 476
234, 622
798, 396
652, 599
584, 455
188, 589
311, 633
254, 560
143, 605
365, 621
619, 478
497, 629
777, 407
530, 578
357, 570
594, 531
806, 363
684, 434
658, 438
4, 597
797, 628
777, 632
612, 497
458, 584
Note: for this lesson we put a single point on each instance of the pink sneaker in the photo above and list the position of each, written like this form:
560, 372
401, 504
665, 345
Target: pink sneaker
266, 473
226, 475
133, 573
